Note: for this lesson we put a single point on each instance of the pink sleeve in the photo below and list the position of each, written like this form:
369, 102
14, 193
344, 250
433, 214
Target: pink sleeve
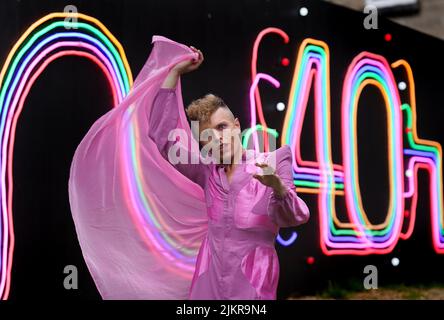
290, 210
138, 220
164, 118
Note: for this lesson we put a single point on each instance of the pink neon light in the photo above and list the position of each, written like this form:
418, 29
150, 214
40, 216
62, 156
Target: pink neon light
257, 42
415, 163
253, 89
388, 245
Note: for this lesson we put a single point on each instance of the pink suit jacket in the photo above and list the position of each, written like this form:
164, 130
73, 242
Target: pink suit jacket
237, 258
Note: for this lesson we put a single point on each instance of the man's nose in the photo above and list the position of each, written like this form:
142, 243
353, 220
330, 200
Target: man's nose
217, 136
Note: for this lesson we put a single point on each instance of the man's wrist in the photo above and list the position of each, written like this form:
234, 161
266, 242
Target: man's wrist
174, 73
171, 80
280, 190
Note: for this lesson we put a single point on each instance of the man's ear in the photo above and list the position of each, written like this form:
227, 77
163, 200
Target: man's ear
236, 122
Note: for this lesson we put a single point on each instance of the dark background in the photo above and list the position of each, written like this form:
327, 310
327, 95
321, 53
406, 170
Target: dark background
72, 93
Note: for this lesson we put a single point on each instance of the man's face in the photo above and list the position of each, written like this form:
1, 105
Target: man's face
223, 132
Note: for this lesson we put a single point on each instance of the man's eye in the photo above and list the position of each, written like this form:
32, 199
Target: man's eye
222, 126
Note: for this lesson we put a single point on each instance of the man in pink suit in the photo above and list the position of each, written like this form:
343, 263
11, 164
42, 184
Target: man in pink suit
237, 258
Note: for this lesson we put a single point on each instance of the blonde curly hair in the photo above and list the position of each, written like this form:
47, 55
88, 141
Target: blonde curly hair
201, 109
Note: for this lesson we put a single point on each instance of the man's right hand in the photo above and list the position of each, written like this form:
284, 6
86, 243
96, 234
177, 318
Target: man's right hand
189, 65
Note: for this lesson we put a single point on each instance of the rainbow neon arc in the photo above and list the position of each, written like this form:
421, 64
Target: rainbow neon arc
52, 37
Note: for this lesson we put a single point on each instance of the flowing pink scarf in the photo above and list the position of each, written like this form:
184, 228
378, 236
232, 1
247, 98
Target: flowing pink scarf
139, 221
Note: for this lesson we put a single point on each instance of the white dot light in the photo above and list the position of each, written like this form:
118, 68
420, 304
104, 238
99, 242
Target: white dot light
402, 85
303, 11
280, 106
395, 262
408, 173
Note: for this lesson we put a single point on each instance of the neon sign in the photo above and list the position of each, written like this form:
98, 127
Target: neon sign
406, 152
46, 40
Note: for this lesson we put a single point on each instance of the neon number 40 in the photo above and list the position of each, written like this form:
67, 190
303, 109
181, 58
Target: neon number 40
406, 153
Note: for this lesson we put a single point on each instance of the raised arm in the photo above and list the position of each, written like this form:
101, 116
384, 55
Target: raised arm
164, 118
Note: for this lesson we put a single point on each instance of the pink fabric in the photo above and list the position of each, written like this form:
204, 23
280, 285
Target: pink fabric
237, 259
151, 230
261, 267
